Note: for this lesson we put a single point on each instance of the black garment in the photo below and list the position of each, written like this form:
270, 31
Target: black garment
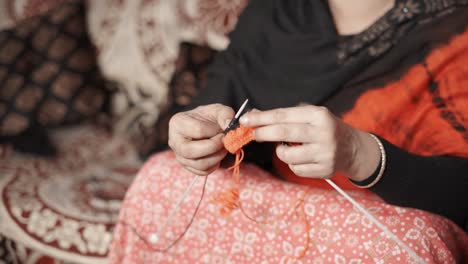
285, 52
435, 184
293, 45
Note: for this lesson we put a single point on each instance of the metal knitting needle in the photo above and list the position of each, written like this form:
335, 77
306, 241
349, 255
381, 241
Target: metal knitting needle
235, 120
376, 222
154, 237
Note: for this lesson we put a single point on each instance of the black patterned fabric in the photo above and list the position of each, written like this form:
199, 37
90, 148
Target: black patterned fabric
48, 77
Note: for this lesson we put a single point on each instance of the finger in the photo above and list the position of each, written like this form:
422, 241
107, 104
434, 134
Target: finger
205, 163
215, 112
194, 149
298, 114
313, 170
193, 125
299, 132
295, 155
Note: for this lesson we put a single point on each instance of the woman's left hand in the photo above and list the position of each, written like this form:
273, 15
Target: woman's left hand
328, 144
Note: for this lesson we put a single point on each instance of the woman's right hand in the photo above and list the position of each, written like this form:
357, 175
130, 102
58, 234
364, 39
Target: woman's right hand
195, 137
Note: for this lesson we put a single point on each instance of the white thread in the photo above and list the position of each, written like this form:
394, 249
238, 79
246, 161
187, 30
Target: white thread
375, 221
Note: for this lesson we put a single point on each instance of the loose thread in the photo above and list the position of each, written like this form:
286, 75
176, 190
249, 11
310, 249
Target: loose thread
297, 204
229, 201
150, 245
307, 228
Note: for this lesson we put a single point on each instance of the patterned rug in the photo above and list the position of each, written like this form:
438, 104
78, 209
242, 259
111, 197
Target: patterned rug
64, 208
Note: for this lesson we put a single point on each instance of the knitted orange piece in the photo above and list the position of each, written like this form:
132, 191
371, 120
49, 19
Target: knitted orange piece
237, 138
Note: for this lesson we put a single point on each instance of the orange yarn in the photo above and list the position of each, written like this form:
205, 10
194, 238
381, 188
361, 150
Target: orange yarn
237, 138
229, 200
233, 142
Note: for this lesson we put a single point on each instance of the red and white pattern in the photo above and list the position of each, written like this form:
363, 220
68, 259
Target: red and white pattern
66, 207
338, 232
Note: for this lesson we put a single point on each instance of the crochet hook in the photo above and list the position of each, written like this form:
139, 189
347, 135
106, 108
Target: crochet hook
154, 237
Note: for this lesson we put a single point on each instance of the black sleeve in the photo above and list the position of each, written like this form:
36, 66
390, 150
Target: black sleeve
224, 86
438, 184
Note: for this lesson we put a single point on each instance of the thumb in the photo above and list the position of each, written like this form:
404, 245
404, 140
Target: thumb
224, 116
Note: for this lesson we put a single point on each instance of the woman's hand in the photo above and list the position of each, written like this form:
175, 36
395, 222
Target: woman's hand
328, 144
195, 136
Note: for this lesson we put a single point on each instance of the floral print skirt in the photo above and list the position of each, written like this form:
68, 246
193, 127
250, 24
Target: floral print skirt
269, 227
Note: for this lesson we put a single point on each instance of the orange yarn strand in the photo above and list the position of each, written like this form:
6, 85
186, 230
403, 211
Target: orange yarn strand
229, 200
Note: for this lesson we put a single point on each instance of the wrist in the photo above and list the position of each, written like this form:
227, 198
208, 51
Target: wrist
366, 158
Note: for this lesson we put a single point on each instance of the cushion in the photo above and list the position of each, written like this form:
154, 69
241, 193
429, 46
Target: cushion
48, 76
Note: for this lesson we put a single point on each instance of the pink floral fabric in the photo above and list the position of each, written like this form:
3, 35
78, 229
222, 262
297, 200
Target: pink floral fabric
338, 232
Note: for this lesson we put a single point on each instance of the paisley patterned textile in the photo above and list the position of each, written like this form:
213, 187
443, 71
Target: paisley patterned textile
338, 232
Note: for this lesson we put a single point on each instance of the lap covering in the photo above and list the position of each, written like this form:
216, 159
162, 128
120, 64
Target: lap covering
338, 233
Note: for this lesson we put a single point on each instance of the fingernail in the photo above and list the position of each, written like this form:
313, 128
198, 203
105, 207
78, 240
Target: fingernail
244, 120
226, 123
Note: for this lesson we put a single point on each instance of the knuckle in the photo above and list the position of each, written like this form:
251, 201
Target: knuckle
211, 146
217, 105
171, 143
305, 130
181, 160
174, 120
201, 166
279, 115
323, 110
186, 151
322, 113
197, 131
311, 130
282, 131
326, 171
329, 156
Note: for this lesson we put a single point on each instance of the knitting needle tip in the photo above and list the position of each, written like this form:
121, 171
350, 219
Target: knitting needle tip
241, 109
